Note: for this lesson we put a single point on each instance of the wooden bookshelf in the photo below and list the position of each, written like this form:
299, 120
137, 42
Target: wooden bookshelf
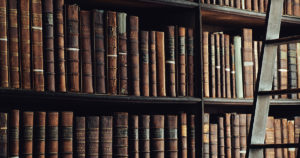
223, 102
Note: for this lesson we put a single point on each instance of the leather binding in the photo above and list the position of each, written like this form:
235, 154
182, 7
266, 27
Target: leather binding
266, 5
255, 5
48, 37
292, 69
59, 45
183, 152
133, 139
238, 67
248, 5
52, 135
181, 61
222, 64
134, 55
152, 63
206, 139
282, 68
191, 136
13, 133
247, 62
66, 134
243, 134
161, 77
37, 45
289, 7
190, 62
26, 134
278, 137
255, 64
228, 147
270, 138
291, 137
13, 44
284, 136
144, 136
3, 135
221, 137
122, 54
144, 62
39, 134
212, 66
237, 4
106, 136
72, 48
261, 6
235, 134
227, 65
296, 8
206, 64
157, 145
297, 130
79, 137
232, 72
170, 61
92, 136
85, 52
3, 45
171, 137
98, 51
213, 134
120, 134
248, 123
298, 67
218, 64
111, 38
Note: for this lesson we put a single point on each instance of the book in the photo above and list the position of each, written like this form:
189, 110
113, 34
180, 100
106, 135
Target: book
296, 7
3, 135
238, 67
223, 66
39, 133
206, 138
3, 46
284, 136
289, 7
92, 136
247, 62
144, 136
120, 134
157, 146
237, 4
66, 134
255, 5
261, 6
218, 65
213, 136
232, 72
243, 134
235, 135
52, 134
206, 64
26, 134
278, 137
221, 137
190, 62
291, 138
79, 137
212, 66
170, 61
292, 68
191, 136
228, 147
144, 62
248, 117
183, 152
282, 68
106, 136
160, 60
181, 61
227, 65
266, 2
297, 130
255, 64
133, 139
13, 133
152, 64
248, 5
171, 137
298, 67
269, 137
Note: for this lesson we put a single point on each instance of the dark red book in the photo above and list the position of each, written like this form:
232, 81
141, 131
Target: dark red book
106, 137
66, 135
157, 138
191, 136
144, 62
26, 133
133, 138
171, 136
3, 135
52, 135
79, 137
190, 62
144, 136
39, 138
13, 133
92, 136
170, 61
181, 62
3, 46
152, 64
120, 134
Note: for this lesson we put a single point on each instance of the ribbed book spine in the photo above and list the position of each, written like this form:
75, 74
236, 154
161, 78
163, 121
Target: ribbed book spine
289, 7
206, 139
247, 62
92, 136
235, 130
39, 147
79, 137
157, 145
120, 134
52, 135
171, 137
106, 137
161, 68
238, 66
282, 68
66, 135
13, 133
284, 136
223, 66
255, 5
3, 135
212, 66
170, 61
278, 137
26, 134
228, 147
297, 130
261, 6
152, 63
232, 72
183, 153
144, 136
270, 137
291, 138
213, 136
218, 64
266, 2
221, 138
191, 136
243, 134
181, 61
144, 62
206, 64
133, 138
227, 65
292, 68
3, 45
190, 62
248, 5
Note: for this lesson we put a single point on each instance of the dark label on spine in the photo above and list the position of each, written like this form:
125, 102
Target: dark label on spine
192, 132
40, 133
171, 133
182, 45
157, 133
27, 133
134, 134
144, 133
52, 133
121, 132
67, 133
145, 58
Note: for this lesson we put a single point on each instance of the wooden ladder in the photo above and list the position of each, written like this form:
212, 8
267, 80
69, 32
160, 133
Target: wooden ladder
263, 87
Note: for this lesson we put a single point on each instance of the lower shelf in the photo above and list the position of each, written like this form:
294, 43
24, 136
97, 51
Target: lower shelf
248, 102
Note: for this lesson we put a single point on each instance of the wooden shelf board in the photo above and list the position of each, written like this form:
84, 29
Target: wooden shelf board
247, 102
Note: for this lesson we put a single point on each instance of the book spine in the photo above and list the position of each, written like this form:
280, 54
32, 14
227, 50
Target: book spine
292, 69
120, 134
212, 70
248, 124
157, 145
238, 66
284, 136
297, 130
144, 51
13, 133
222, 66
232, 3
52, 135
152, 62
144, 136
85, 52
92, 136
171, 138
255, 63
227, 65
66, 135
298, 67
170, 61
247, 63
161, 77
206, 139
183, 136
232, 67
48, 35
79, 137
270, 138
282, 68
191, 136
237, 4
213, 134
255, 5
226, 2
106, 137
296, 7
39, 134
221, 138
3, 45
278, 137
235, 129
122, 53
243, 134
291, 138
3, 135
134, 54
248, 5
190, 62
218, 65
289, 5
206, 64
182, 62
266, 2
133, 136
13, 43
26, 133
228, 135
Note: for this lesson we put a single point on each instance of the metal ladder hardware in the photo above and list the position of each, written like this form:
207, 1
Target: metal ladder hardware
261, 103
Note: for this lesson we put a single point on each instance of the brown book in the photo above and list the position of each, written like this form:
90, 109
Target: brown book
270, 137
291, 138
222, 64
133, 136
212, 66
228, 135
298, 67
181, 62
206, 64
227, 65
191, 136
170, 61
284, 136
66, 134
226, 2
247, 62
157, 145
144, 62
255, 5
79, 137
235, 135
120, 134
98, 51
190, 62
261, 6
282, 68
3, 46
13, 133
248, 4
243, 134
13, 43
266, 5
152, 63
221, 138
39, 147
122, 54
92, 136
161, 77
59, 45
297, 130
255, 63
289, 7
134, 55
213, 136
278, 137
52, 135
26, 134
3, 135
206, 140
237, 4
232, 67
171, 138
86, 53
218, 64
48, 45
296, 7
106, 137
248, 123
183, 136
144, 136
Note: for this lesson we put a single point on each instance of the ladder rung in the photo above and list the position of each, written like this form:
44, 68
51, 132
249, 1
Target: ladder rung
284, 40
278, 92
260, 146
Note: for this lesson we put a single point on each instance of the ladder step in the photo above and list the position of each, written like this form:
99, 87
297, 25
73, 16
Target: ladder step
278, 92
284, 40
262, 146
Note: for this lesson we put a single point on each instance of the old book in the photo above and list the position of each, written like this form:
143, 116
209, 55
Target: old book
39, 147
190, 62
144, 62
52, 134
226, 2
92, 136
171, 137
59, 45
212, 66
238, 67
160, 57
3, 46
13, 133
266, 2
106, 136
157, 145
282, 68
232, 72
232, 3
181, 62
248, 123
183, 135
218, 65
48, 37
72, 48
26, 133
222, 66
243, 134
152, 64
228, 135
13, 43
122, 54
144, 136
227, 65
191, 136
206, 139
261, 6
284, 136
291, 138
255, 5
298, 67
235, 135
248, 4
79, 137
213, 136
289, 7
221, 137
3, 135
133, 139
270, 137
66, 134
297, 130
292, 68
237, 4
120, 134
170, 61
296, 7
247, 62
134, 55
206, 64
255, 63
278, 137
98, 51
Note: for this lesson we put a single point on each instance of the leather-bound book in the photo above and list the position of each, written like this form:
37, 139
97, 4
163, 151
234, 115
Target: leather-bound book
160, 57
292, 68
261, 6
297, 130
133, 136
122, 54
183, 136
298, 67
235, 135
255, 5
238, 66
206, 64
226, 2
247, 62
52, 135
291, 138
266, 2
98, 51
13, 43
255, 63
3, 135
181, 62
278, 137
152, 64
222, 66
134, 55
284, 136
232, 72
190, 62
248, 123
243, 134
92, 136
79, 137
213, 136
48, 37
191, 136
26, 134
171, 136
37, 45
144, 62
72, 48
157, 138
85, 52
106, 137
120, 134
3, 45
289, 7
144, 136
221, 138
227, 65
111, 45
296, 8
270, 137
13, 133
66, 134
248, 5
170, 61
59, 45
282, 68
228, 135
206, 140
218, 65
237, 4
212, 66
39, 147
